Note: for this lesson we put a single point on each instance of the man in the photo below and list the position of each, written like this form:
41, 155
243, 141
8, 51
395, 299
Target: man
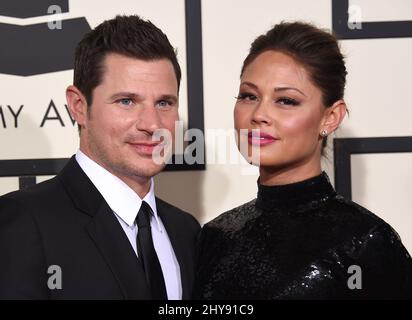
96, 230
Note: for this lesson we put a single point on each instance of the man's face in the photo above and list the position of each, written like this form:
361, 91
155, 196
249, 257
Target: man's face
134, 99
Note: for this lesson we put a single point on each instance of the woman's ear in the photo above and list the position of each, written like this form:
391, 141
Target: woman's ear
77, 105
333, 117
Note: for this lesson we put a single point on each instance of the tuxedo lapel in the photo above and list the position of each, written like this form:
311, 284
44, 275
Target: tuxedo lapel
180, 247
106, 232
115, 247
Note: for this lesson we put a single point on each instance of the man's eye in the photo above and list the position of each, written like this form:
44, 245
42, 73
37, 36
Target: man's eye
125, 102
164, 103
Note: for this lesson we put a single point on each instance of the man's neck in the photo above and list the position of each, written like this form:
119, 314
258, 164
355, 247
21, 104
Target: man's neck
140, 185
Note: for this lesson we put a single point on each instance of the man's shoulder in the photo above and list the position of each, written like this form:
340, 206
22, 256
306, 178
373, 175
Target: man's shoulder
26, 212
38, 200
178, 214
37, 193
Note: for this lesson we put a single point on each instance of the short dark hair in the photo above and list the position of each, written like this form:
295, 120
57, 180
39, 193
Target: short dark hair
317, 50
126, 35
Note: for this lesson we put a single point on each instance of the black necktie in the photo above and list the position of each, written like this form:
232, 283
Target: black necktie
148, 255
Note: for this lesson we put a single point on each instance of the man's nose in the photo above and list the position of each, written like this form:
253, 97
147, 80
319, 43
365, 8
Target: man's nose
148, 119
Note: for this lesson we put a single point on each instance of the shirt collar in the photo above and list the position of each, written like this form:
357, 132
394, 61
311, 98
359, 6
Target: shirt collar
118, 195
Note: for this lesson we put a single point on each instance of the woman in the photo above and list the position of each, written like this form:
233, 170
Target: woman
298, 239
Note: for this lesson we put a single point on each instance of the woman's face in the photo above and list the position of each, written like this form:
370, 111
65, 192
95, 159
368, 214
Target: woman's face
277, 97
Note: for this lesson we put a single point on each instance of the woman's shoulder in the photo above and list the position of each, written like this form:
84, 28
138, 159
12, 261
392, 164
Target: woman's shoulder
376, 248
216, 235
234, 219
362, 221
366, 227
353, 215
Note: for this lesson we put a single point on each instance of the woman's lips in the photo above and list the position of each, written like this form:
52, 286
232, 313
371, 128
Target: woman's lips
260, 139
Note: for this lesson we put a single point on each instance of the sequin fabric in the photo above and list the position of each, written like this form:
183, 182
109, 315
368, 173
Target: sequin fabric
301, 241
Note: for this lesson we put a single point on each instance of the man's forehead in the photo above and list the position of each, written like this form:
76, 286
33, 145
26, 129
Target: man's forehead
116, 60
123, 71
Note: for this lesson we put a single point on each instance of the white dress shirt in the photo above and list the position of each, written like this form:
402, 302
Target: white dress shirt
125, 204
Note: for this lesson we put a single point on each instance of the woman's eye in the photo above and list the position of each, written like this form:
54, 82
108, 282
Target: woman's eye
125, 102
287, 101
246, 97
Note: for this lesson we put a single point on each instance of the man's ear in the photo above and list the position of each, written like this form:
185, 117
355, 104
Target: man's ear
333, 117
77, 105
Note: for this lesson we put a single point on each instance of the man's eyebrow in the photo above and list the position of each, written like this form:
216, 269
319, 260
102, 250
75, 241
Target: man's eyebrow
277, 89
125, 94
171, 97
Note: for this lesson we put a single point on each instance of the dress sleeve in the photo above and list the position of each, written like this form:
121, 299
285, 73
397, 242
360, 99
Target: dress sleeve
385, 264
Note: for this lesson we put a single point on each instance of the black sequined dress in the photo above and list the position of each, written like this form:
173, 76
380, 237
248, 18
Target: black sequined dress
301, 241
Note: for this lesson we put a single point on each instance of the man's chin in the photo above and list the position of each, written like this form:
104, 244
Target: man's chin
148, 170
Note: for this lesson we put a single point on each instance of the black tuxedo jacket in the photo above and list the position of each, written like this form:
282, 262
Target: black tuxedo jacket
65, 222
